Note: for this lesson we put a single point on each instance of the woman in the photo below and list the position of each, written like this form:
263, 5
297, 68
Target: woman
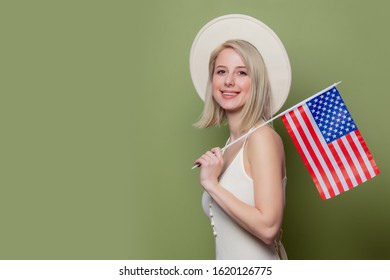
245, 185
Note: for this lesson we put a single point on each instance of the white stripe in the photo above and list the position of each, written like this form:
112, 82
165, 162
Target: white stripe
363, 154
345, 162
307, 154
317, 152
327, 150
354, 159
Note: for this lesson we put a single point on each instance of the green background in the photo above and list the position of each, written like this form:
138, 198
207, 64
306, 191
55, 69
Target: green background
97, 143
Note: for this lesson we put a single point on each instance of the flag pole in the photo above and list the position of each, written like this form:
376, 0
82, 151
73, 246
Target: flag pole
275, 117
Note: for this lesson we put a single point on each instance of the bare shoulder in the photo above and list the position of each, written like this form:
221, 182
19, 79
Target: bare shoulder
265, 154
265, 138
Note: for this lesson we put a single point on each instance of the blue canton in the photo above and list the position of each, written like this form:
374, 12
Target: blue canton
331, 115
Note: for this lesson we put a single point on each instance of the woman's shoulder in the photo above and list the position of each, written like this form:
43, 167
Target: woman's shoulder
264, 135
264, 139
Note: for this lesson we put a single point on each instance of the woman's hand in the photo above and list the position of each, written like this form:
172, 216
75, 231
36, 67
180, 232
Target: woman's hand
211, 166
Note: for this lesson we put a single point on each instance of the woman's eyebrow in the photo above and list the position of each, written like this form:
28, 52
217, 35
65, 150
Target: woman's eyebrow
226, 66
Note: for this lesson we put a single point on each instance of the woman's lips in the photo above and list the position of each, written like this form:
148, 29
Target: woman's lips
229, 94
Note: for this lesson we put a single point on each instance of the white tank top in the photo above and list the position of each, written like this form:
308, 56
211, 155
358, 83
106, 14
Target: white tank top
231, 240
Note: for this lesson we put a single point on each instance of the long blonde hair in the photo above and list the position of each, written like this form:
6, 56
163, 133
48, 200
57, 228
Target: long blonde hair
258, 106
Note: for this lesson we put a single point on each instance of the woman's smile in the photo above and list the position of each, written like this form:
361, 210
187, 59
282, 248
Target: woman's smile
229, 94
231, 83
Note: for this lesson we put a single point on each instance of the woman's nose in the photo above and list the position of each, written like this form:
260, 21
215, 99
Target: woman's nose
229, 81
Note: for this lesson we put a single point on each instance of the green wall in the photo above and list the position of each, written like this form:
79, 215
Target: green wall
97, 142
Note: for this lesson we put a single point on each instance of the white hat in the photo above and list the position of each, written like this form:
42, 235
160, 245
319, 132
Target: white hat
242, 27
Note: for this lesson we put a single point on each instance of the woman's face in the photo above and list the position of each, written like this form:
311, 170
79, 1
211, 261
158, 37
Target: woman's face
231, 83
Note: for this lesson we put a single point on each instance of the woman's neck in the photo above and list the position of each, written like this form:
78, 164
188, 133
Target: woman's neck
234, 123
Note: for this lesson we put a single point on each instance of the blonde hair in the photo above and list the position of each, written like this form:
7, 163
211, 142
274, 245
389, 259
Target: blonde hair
258, 106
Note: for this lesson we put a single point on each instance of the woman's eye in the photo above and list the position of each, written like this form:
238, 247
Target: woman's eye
220, 71
242, 73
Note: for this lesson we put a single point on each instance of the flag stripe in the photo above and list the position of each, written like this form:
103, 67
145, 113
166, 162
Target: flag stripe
315, 163
339, 146
367, 153
343, 164
347, 143
324, 150
360, 159
308, 161
367, 164
325, 172
349, 160
314, 153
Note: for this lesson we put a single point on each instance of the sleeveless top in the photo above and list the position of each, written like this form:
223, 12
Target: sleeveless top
231, 240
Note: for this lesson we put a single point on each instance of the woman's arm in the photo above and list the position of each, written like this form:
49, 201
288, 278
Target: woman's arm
266, 161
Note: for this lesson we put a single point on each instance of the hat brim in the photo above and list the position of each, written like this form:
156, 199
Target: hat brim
242, 27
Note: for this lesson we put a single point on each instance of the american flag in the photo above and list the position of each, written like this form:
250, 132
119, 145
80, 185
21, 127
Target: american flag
330, 144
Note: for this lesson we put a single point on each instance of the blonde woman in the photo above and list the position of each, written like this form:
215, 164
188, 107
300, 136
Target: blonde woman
244, 186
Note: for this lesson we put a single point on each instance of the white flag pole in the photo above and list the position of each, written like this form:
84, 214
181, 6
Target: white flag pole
275, 117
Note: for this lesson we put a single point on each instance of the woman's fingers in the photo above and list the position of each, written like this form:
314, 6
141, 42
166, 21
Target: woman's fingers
210, 157
217, 152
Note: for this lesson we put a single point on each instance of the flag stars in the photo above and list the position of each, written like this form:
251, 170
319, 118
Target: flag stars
331, 115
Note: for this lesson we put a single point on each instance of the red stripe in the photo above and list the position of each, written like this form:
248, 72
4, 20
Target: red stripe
322, 150
355, 150
350, 161
365, 148
341, 165
313, 155
291, 132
